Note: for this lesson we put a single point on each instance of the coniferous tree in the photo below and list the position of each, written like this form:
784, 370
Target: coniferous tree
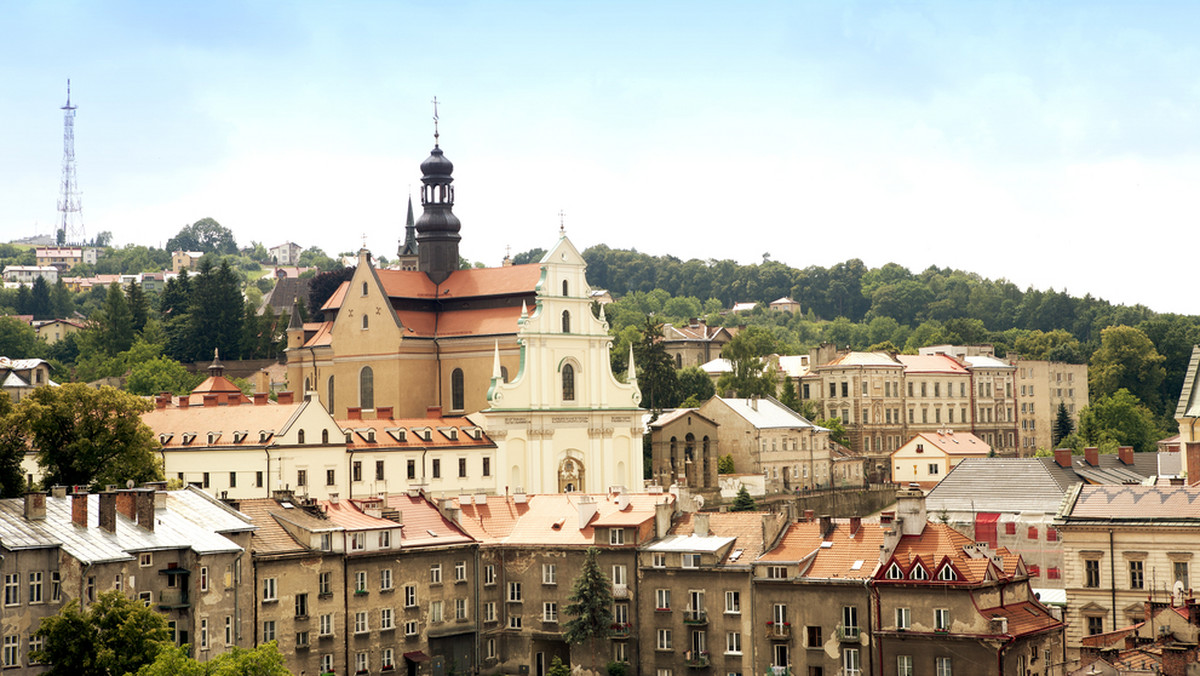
655, 372
176, 295
139, 307
1063, 425
743, 502
788, 396
39, 300
590, 603
61, 302
116, 322
23, 303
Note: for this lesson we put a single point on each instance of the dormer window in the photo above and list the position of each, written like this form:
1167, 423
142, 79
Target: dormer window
398, 434
947, 574
371, 436
164, 438
212, 438
894, 572
188, 438
918, 573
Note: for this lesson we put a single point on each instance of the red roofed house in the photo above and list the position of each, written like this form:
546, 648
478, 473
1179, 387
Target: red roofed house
518, 342
928, 457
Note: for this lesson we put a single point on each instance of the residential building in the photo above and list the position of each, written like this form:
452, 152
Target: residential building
696, 607
54, 330
180, 552
926, 458
518, 345
945, 604
694, 344
766, 437
685, 450
1122, 545
19, 377
287, 253
1041, 387
65, 257
938, 393
16, 275
785, 304
185, 260
531, 550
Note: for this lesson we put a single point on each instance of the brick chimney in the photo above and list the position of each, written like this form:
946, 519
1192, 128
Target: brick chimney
433, 411
809, 515
1091, 455
855, 524
127, 503
1062, 457
260, 399
211, 400
383, 412
283, 398
354, 413
1193, 462
145, 507
108, 511
161, 401
185, 401
79, 500
35, 505
1125, 453
826, 525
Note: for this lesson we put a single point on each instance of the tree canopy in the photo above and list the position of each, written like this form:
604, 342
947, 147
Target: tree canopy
114, 635
205, 235
590, 603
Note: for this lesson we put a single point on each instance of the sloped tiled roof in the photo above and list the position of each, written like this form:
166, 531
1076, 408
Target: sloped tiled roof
938, 542
1024, 618
1136, 503
549, 519
175, 422
747, 527
937, 363
480, 322
388, 429
956, 443
424, 525
271, 537
847, 556
997, 485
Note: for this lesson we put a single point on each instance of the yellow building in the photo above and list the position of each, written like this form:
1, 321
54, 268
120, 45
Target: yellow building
518, 345
928, 457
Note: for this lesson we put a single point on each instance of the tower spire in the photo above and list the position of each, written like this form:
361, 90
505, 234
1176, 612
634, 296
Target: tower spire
70, 228
435, 122
437, 229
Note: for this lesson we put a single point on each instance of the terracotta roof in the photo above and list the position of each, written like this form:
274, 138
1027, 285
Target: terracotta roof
223, 420
747, 527
217, 385
346, 514
424, 525
271, 537
549, 519
472, 283
956, 443
481, 322
388, 430
936, 363
1136, 503
1024, 618
938, 543
322, 335
846, 557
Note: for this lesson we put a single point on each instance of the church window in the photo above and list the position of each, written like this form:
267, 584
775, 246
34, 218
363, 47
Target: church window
300, 437
456, 390
366, 388
329, 394
325, 437
678, 361
565, 288
364, 289
568, 382
366, 321
566, 321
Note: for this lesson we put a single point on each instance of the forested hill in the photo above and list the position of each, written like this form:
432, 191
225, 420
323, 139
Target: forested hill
852, 305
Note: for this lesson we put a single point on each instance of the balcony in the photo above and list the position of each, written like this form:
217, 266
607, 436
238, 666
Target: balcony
697, 660
696, 618
779, 631
620, 630
173, 598
846, 633
620, 592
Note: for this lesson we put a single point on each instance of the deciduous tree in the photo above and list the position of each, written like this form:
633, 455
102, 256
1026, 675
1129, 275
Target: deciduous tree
114, 635
1121, 419
1126, 359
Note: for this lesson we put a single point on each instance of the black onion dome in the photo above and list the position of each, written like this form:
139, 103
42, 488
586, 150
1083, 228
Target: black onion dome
437, 164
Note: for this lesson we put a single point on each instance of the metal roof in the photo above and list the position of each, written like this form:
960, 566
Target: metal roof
691, 543
997, 485
766, 413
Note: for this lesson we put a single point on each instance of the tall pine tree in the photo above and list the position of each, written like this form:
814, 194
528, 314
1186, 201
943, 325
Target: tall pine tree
590, 603
1063, 425
116, 322
139, 308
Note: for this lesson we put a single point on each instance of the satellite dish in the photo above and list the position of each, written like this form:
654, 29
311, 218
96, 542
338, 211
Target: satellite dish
129, 483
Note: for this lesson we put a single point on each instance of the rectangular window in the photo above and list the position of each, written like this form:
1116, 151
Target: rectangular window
147, 598
362, 662
659, 560
204, 634
326, 624
733, 643
258, 479
269, 630
203, 578
410, 628
12, 651
1095, 625
690, 560
943, 667
385, 539
733, 602
549, 612
616, 536
514, 621
361, 626
813, 636
1136, 577
270, 589
330, 477
489, 574
412, 470
514, 592
325, 584
379, 470
489, 611
850, 621
460, 609
301, 477
941, 619
1181, 573
435, 573
460, 571
618, 575
387, 619
35, 587
410, 596
437, 468
903, 618
662, 599
1091, 573
356, 471
663, 639
776, 572
55, 587
233, 479
851, 662
487, 466
385, 579
462, 468
360, 581
301, 605
549, 573
12, 589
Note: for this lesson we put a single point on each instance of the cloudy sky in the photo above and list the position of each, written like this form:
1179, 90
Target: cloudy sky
1053, 144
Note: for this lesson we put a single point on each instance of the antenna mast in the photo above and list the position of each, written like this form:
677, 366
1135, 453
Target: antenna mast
70, 229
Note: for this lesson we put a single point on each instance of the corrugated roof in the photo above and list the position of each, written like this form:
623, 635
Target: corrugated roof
766, 413
997, 485
691, 543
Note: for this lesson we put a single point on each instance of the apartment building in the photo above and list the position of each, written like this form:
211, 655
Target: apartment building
1041, 387
926, 458
938, 394
695, 343
995, 403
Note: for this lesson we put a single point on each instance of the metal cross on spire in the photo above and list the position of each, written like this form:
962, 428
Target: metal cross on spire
435, 122
562, 228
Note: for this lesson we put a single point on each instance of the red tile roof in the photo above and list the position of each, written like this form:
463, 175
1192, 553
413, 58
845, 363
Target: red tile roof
424, 525
847, 557
385, 428
223, 420
1024, 618
747, 527
550, 519
939, 543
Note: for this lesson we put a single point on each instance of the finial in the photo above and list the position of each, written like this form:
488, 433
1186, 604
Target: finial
364, 238
507, 250
435, 122
562, 228
216, 354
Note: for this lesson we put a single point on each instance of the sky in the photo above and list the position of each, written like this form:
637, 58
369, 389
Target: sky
1053, 144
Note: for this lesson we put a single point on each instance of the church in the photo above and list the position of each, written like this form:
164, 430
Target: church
516, 348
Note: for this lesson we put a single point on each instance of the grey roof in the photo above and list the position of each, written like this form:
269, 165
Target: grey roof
173, 529
997, 485
766, 412
690, 543
1109, 471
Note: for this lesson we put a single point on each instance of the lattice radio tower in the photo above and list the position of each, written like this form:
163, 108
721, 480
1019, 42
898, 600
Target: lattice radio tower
71, 226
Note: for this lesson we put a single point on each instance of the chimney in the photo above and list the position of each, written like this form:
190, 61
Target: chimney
354, 413
826, 525
700, 525
58, 491
108, 511
185, 401
79, 500
383, 412
161, 401
35, 505
1125, 453
234, 400
910, 509
855, 524
127, 503
587, 510
1062, 457
1091, 454
260, 398
886, 518
433, 411
809, 515
283, 398
145, 507
211, 400
999, 625
333, 498
754, 402
1193, 462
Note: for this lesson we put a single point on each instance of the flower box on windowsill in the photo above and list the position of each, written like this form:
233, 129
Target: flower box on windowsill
361, 592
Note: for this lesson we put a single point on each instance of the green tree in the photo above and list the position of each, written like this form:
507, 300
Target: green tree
655, 372
743, 502
12, 452
263, 660
39, 300
18, 340
1126, 359
87, 436
557, 668
161, 374
531, 256
114, 635
1063, 425
788, 396
139, 307
205, 235
725, 464
1119, 419
749, 374
115, 322
590, 603
837, 430
694, 384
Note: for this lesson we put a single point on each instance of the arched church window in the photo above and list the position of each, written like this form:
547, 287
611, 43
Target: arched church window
566, 321
307, 385
568, 382
325, 437
300, 437
365, 321
366, 388
565, 288
456, 390
678, 360
364, 289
